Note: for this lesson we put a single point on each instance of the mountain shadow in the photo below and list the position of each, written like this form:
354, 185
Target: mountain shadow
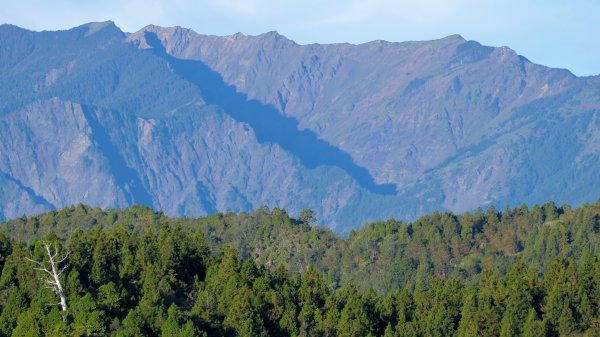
38, 199
126, 177
268, 123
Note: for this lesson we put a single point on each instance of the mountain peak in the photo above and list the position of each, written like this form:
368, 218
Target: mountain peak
272, 33
275, 37
11, 26
166, 31
163, 33
7, 28
92, 28
99, 24
454, 37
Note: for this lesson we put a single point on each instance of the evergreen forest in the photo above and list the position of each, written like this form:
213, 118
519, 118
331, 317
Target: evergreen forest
136, 272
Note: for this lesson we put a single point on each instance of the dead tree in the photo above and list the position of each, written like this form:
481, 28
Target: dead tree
54, 271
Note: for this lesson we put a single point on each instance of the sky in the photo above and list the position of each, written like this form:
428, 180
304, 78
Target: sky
555, 33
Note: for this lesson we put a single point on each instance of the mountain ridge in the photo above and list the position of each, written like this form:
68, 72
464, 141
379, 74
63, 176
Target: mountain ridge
471, 48
449, 123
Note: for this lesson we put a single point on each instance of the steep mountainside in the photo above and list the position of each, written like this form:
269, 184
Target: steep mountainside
473, 125
194, 124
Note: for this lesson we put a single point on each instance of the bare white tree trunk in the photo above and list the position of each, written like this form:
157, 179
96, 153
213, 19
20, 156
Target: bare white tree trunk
54, 271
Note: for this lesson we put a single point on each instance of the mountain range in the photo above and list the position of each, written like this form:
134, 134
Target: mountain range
195, 124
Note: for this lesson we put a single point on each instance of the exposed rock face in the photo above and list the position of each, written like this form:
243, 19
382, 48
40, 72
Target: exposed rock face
49, 147
194, 124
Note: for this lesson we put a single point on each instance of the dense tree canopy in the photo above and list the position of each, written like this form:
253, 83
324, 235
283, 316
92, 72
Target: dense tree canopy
137, 273
385, 256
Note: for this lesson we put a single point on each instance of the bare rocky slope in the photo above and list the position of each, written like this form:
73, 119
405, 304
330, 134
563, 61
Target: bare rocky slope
194, 124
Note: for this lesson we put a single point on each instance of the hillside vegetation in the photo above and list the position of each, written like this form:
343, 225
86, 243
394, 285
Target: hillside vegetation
384, 256
137, 272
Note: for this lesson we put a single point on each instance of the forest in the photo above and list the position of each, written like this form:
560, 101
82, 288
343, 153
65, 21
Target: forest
137, 272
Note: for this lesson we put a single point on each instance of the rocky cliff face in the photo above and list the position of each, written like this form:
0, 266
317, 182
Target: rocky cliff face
478, 124
193, 124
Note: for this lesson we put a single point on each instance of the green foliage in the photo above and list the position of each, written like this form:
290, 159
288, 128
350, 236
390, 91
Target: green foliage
144, 274
12, 308
384, 256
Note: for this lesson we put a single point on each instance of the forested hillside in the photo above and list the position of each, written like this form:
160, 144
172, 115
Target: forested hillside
384, 255
137, 272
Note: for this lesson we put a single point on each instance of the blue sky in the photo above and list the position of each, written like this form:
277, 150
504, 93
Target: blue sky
557, 33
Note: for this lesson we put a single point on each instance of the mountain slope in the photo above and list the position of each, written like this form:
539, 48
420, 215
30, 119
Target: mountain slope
193, 124
479, 124
103, 122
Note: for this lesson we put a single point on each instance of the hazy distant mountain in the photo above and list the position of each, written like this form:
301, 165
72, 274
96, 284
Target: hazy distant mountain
193, 124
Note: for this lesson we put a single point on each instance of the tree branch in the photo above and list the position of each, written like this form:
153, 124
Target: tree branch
34, 261
55, 272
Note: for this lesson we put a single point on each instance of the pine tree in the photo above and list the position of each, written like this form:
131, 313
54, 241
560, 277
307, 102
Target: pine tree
468, 326
87, 319
29, 323
242, 316
518, 302
15, 304
132, 325
490, 296
312, 295
534, 327
172, 327
389, 332
355, 318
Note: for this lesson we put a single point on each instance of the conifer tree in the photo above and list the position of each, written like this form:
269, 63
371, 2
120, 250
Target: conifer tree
518, 302
533, 327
